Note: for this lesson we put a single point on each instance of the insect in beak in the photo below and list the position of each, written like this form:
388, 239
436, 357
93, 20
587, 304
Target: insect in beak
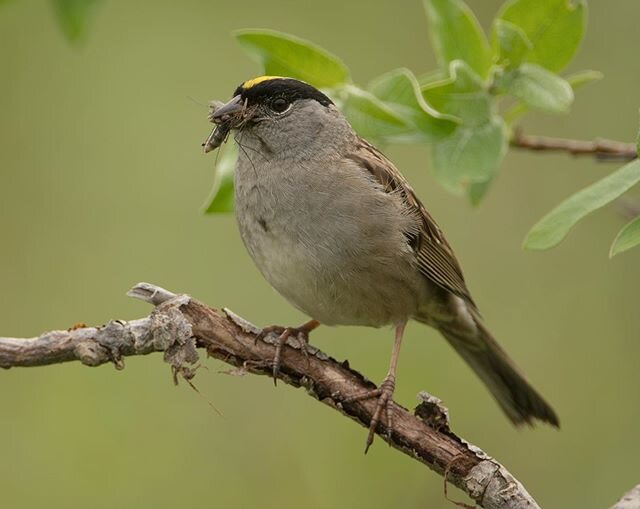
217, 137
226, 117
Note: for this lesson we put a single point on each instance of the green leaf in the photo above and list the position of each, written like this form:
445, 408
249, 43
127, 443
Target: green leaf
431, 77
554, 27
581, 78
512, 43
371, 118
627, 238
399, 90
537, 88
462, 95
471, 155
553, 227
457, 35
74, 17
477, 191
221, 196
576, 81
286, 55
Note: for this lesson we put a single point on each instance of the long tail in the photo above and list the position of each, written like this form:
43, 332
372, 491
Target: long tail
517, 398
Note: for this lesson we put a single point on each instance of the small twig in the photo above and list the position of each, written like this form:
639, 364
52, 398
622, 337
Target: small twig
601, 149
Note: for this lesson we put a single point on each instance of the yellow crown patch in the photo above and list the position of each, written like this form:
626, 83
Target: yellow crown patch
253, 82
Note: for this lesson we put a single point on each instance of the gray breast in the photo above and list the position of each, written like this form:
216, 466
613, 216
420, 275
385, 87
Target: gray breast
329, 240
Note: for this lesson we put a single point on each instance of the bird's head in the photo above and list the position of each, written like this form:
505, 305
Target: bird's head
280, 112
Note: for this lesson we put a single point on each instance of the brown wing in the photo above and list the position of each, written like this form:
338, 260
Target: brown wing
436, 260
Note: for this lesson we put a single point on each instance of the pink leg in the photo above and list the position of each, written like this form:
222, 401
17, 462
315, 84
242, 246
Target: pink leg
384, 393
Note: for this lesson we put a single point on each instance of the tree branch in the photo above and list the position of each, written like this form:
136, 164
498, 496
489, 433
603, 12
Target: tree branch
600, 149
630, 500
179, 325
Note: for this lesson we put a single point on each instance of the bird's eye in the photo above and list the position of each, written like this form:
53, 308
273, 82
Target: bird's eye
280, 105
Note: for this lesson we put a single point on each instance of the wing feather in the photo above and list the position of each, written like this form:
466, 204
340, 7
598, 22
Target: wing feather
436, 260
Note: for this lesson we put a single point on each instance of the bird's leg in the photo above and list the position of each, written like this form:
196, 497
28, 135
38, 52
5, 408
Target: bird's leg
384, 393
301, 333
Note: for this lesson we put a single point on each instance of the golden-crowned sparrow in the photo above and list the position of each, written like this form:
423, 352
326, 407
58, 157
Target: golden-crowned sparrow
337, 230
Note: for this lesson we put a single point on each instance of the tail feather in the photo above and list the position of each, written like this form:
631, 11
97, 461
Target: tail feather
518, 399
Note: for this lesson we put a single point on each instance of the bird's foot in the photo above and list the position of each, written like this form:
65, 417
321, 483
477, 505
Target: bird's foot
283, 334
384, 395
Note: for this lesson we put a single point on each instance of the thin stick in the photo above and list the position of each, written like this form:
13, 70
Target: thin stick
601, 149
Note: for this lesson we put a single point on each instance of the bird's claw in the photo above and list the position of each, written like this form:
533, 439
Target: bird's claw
283, 334
384, 396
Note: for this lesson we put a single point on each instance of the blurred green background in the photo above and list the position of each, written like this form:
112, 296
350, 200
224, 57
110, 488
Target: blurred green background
101, 185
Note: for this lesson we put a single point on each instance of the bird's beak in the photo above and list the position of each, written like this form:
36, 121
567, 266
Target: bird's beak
234, 106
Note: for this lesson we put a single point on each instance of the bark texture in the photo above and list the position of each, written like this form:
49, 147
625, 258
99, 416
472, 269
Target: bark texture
179, 326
